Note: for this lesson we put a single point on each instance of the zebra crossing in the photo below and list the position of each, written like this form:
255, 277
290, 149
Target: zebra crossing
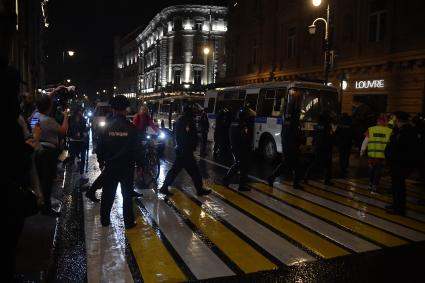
230, 233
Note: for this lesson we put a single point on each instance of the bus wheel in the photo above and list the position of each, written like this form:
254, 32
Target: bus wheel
269, 149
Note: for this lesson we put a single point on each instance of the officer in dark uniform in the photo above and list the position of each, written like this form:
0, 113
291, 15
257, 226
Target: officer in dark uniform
241, 134
117, 149
292, 139
221, 133
401, 154
205, 127
186, 140
344, 140
322, 144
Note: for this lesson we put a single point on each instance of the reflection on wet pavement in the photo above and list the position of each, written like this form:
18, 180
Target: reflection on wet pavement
229, 236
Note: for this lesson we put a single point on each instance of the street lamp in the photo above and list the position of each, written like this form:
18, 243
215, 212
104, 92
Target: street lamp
312, 31
206, 52
70, 53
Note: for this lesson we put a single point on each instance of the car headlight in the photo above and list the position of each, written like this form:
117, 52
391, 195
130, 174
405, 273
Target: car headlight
102, 124
148, 137
162, 135
89, 114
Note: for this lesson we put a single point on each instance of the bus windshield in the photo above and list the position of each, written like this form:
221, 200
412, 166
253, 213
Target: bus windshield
311, 102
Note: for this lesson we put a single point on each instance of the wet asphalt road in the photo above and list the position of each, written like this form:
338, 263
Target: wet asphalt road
396, 264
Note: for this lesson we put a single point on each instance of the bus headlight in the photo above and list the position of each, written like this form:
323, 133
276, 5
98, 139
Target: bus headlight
102, 123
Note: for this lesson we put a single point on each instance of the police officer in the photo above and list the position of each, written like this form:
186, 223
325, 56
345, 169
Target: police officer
376, 141
186, 140
322, 144
221, 133
241, 134
205, 127
344, 140
401, 154
116, 148
292, 139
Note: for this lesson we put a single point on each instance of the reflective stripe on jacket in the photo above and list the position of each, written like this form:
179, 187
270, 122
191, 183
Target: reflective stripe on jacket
379, 137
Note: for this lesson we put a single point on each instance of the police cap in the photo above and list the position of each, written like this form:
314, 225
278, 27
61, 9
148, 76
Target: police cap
119, 102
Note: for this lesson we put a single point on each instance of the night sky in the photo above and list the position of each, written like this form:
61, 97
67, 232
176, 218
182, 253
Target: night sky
88, 27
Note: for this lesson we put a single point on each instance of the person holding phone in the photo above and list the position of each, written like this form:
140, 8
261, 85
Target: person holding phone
46, 158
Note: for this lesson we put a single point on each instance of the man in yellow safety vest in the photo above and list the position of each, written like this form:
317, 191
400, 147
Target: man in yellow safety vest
377, 138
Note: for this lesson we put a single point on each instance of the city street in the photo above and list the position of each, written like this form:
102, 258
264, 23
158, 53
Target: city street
337, 233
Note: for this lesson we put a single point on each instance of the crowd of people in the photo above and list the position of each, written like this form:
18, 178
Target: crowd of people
45, 128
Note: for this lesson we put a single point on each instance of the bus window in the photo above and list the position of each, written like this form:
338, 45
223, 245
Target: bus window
293, 103
251, 101
328, 102
278, 105
310, 108
266, 101
211, 104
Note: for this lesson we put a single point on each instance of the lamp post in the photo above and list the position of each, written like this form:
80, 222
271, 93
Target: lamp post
312, 31
206, 52
70, 53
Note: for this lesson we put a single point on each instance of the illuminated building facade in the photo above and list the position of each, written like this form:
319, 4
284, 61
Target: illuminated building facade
182, 50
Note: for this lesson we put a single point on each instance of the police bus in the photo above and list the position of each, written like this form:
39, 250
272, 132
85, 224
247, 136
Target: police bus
272, 102
167, 110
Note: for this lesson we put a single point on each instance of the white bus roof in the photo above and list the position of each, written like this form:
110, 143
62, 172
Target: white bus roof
286, 84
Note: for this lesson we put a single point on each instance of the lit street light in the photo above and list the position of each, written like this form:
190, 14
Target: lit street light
206, 52
71, 53
68, 80
312, 31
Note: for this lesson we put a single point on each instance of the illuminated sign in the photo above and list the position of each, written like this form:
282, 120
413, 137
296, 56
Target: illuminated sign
370, 84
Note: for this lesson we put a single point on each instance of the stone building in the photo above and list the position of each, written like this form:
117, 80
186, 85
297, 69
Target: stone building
378, 48
180, 52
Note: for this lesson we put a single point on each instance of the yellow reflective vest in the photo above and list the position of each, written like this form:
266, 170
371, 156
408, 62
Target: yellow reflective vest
379, 137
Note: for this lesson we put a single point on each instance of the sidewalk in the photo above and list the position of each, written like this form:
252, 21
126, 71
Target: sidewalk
34, 251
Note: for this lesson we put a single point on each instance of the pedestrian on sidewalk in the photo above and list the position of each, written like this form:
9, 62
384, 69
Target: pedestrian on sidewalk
323, 140
402, 155
344, 141
241, 136
292, 139
77, 133
117, 147
186, 140
46, 158
375, 142
204, 127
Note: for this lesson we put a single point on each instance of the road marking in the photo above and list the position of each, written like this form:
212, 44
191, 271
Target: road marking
312, 241
329, 231
241, 253
366, 199
105, 256
202, 262
368, 209
409, 195
277, 246
353, 188
372, 220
